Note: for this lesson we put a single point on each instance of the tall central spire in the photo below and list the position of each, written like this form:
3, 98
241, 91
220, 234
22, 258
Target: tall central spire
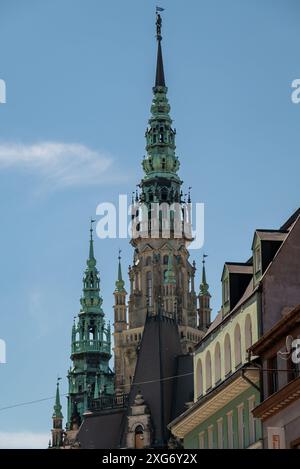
160, 161
160, 75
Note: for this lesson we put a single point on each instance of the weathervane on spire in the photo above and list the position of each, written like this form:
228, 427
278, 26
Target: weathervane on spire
119, 256
91, 228
203, 258
158, 23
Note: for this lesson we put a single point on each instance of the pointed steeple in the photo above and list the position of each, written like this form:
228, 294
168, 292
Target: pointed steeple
204, 310
91, 301
120, 282
204, 285
160, 75
91, 262
57, 414
161, 160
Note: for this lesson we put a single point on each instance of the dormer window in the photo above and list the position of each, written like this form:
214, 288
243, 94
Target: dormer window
226, 290
257, 259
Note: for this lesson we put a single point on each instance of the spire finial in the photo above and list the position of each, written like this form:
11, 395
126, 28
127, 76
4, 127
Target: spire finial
57, 407
204, 285
91, 252
158, 23
120, 282
160, 76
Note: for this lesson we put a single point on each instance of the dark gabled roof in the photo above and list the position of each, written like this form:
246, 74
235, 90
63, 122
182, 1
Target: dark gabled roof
155, 373
102, 430
287, 225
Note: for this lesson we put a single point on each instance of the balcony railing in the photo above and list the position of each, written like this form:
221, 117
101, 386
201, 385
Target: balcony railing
109, 402
90, 346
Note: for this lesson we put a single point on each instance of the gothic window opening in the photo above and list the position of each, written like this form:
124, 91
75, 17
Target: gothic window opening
148, 260
149, 288
139, 437
161, 135
166, 259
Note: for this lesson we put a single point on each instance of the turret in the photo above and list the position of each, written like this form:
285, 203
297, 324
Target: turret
57, 418
204, 311
120, 324
91, 345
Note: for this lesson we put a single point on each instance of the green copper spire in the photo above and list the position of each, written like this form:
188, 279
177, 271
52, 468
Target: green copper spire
204, 285
120, 282
57, 406
91, 347
161, 160
170, 277
91, 301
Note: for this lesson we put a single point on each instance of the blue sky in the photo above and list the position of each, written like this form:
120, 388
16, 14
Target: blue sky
79, 75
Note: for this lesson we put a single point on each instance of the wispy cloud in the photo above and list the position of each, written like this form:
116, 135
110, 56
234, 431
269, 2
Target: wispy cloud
23, 440
61, 164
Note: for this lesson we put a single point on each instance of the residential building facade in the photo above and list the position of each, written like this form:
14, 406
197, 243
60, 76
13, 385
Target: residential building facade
227, 378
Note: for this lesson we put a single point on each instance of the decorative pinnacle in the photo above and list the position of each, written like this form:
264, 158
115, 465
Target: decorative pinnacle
204, 285
57, 407
160, 76
91, 260
120, 282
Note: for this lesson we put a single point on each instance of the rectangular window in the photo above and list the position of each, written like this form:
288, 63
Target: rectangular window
257, 259
220, 433
252, 436
241, 425
273, 375
201, 440
210, 436
229, 430
226, 290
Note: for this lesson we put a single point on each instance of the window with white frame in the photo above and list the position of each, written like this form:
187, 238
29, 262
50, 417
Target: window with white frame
210, 436
226, 290
251, 404
257, 259
229, 430
240, 410
220, 433
201, 440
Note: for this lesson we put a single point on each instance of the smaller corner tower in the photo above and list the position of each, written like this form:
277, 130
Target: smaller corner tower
57, 418
90, 374
120, 325
204, 310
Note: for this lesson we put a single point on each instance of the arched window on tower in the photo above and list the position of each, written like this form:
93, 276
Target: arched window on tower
166, 259
148, 260
139, 437
149, 288
161, 135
